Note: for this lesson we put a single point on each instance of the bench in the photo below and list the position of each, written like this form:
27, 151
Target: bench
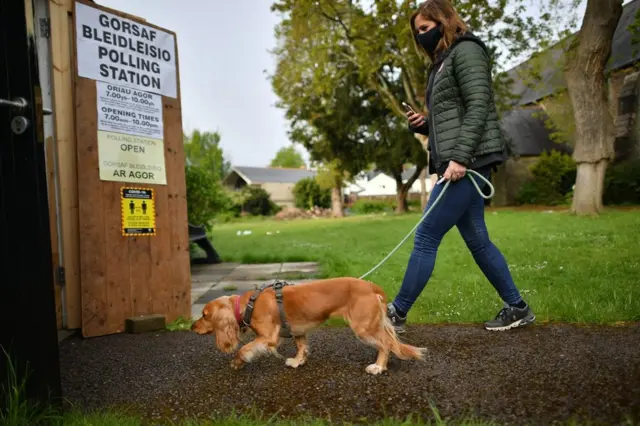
198, 235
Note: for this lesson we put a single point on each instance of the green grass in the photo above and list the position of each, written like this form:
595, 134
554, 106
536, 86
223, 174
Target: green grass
180, 324
572, 269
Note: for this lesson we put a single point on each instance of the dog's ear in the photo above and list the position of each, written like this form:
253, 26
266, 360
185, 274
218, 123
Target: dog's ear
227, 329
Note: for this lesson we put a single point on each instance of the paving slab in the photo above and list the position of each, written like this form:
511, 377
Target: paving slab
254, 272
302, 267
196, 310
208, 273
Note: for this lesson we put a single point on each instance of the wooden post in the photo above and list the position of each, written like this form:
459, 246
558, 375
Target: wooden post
65, 143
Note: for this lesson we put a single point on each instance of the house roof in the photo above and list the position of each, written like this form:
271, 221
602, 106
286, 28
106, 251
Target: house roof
528, 133
272, 174
548, 66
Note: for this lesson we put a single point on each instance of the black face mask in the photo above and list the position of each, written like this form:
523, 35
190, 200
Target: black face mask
429, 40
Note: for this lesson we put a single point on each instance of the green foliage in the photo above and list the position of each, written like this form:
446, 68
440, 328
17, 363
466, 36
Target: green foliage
205, 196
202, 149
180, 324
558, 117
255, 201
371, 206
553, 177
622, 183
15, 408
288, 157
204, 170
309, 194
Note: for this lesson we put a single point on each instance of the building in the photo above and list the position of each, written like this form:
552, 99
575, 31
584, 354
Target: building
376, 184
278, 182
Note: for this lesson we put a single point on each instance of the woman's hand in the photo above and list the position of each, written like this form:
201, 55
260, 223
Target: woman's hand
455, 171
415, 119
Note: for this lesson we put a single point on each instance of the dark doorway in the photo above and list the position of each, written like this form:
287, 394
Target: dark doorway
27, 305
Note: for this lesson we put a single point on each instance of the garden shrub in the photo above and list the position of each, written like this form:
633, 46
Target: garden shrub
308, 194
554, 175
622, 183
205, 196
371, 206
255, 201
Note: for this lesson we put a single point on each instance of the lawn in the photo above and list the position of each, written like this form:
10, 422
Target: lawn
571, 269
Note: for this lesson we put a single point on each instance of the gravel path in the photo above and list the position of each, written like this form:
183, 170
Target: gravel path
536, 375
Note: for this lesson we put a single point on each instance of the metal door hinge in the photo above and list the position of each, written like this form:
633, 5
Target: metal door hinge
61, 276
45, 28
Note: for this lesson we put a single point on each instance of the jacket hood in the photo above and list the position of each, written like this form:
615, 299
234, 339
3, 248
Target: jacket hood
468, 36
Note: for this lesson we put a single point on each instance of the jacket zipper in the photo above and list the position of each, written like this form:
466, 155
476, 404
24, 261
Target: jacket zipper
435, 142
433, 122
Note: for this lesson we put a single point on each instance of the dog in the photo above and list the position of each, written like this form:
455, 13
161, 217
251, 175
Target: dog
306, 306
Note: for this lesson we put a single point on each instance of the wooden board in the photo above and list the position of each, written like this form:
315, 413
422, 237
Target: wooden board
65, 144
129, 276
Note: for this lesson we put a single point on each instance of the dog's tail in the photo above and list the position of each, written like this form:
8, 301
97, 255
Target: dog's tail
401, 350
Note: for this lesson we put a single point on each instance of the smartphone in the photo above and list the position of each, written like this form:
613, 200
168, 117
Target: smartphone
408, 107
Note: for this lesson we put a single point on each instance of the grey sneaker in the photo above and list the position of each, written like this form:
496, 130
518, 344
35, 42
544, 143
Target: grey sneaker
511, 317
397, 321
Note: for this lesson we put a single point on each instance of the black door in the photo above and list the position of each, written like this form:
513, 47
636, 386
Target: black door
27, 304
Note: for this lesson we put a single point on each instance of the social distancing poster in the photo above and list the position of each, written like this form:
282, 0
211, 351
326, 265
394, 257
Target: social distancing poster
138, 211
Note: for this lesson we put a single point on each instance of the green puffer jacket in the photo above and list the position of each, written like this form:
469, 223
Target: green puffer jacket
463, 123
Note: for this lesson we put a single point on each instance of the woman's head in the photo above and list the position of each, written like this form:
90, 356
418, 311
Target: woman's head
435, 26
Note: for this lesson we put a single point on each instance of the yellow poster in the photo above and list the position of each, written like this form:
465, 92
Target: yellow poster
138, 211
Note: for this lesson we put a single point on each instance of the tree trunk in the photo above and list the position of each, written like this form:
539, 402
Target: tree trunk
587, 198
401, 199
423, 189
424, 196
336, 200
587, 86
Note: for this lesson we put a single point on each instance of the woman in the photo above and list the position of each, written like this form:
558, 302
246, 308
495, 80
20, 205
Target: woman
464, 132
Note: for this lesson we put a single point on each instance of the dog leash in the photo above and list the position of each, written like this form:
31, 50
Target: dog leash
435, 203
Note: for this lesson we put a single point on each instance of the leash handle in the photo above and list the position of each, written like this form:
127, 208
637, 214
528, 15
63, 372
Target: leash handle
437, 200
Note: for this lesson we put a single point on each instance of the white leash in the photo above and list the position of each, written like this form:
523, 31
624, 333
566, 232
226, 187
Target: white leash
446, 185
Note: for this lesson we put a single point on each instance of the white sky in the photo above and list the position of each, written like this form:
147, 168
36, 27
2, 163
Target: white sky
223, 49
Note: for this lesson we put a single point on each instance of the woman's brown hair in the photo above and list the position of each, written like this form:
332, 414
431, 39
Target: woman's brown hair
444, 14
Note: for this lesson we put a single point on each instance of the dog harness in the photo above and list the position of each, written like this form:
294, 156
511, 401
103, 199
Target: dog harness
285, 330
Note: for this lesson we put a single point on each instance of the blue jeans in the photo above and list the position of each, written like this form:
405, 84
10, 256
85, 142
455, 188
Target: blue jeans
462, 206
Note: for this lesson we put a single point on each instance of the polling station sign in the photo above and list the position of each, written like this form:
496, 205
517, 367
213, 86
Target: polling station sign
118, 50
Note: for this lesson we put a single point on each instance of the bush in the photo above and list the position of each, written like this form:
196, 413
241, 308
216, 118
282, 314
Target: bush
622, 183
205, 196
371, 206
256, 201
554, 174
308, 194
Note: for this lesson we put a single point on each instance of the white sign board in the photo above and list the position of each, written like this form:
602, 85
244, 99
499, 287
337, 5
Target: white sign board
130, 111
124, 52
130, 135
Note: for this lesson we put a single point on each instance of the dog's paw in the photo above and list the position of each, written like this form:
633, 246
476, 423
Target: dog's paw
374, 369
293, 363
236, 363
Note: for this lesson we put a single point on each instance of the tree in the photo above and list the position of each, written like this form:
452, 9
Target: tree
322, 101
202, 149
586, 83
204, 169
392, 148
288, 157
374, 40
